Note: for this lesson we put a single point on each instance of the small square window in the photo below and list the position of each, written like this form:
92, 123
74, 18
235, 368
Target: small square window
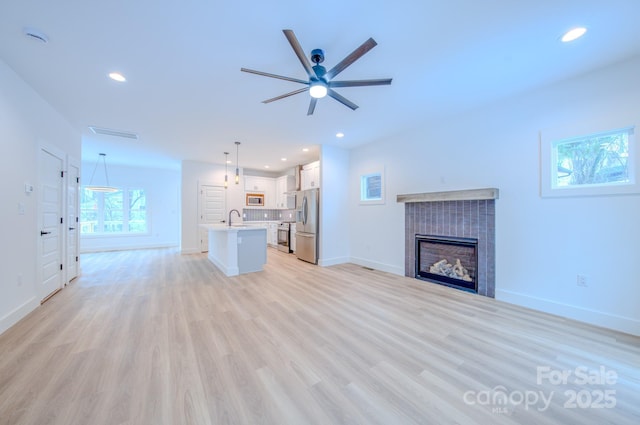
372, 188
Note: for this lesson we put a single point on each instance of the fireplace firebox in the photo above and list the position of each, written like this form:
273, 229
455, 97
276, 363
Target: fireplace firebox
450, 261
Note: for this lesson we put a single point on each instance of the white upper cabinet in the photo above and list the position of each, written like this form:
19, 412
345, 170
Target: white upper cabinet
284, 198
263, 185
255, 184
310, 176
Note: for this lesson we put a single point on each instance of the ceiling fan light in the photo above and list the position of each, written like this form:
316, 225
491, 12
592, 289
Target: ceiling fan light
573, 34
318, 90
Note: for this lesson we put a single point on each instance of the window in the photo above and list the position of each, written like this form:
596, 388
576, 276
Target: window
124, 211
597, 164
372, 188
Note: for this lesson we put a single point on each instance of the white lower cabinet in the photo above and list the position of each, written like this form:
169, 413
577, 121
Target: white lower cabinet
272, 234
272, 230
292, 236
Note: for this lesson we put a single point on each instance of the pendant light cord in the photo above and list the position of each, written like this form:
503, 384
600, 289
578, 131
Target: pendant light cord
104, 163
237, 163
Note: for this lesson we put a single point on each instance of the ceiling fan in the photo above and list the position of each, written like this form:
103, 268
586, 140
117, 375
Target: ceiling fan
321, 81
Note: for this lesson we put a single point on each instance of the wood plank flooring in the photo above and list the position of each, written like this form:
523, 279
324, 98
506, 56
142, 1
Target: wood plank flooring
155, 337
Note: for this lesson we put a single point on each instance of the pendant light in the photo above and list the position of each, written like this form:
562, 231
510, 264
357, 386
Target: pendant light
97, 188
226, 175
237, 162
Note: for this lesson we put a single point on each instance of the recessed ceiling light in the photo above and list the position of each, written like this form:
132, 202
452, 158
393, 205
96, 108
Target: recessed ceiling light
116, 76
283, 159
340, 135
573, 34
266, 166
305, 149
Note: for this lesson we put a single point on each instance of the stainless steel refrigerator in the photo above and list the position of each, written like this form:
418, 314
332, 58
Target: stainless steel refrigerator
307, 226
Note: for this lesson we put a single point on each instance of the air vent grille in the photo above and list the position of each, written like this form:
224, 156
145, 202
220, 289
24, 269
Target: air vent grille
114, 133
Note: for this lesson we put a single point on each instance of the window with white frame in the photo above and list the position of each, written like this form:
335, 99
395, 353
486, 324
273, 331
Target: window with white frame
596, 164
104, 213
372, 188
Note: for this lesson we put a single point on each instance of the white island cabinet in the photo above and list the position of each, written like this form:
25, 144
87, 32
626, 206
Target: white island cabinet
237, 249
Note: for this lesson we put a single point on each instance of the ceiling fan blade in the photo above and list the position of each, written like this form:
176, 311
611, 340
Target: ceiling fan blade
299, 52
342, 99
285, 95
360, 83
266, 74
351, 58
312, 106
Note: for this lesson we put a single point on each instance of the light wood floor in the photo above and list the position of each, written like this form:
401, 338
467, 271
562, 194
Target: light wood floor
155, 337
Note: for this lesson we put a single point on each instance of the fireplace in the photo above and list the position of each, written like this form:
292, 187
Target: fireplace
446, 260
455, 215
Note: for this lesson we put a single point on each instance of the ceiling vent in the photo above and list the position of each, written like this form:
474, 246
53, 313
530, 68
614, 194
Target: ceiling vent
114, 133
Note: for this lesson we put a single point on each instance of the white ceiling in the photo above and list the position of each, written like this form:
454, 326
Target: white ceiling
187, 99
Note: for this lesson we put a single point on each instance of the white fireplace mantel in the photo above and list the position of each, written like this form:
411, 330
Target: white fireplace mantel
452, 195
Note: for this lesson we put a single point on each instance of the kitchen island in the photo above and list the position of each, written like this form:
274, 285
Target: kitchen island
237, 249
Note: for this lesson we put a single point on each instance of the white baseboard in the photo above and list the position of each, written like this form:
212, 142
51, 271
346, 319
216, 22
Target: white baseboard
619, 323
377, 266
126, 248
16, 315
326, 262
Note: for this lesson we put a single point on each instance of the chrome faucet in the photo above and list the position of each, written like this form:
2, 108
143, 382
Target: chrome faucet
237, 212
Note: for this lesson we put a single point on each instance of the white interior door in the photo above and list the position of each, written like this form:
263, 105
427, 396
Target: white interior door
72, 225
50, 218
211, 210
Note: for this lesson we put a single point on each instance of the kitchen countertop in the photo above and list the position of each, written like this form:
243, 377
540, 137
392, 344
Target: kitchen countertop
226, 228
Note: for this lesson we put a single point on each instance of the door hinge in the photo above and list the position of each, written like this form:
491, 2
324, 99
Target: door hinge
76, 259
77, 179
60, 220
76, 219
60, 266
62, 174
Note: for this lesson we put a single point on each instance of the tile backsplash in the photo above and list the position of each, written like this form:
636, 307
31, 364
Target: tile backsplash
263, 214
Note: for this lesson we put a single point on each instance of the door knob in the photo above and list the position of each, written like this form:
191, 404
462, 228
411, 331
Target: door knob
43, 233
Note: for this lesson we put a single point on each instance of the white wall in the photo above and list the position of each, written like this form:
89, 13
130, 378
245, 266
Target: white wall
195, 173
162, 187
541, 243
26, 121
334, 197
383, 224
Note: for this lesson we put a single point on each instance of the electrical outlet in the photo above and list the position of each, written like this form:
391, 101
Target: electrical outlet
581, 280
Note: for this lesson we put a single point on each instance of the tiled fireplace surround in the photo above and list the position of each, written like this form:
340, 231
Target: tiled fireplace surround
466, 213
